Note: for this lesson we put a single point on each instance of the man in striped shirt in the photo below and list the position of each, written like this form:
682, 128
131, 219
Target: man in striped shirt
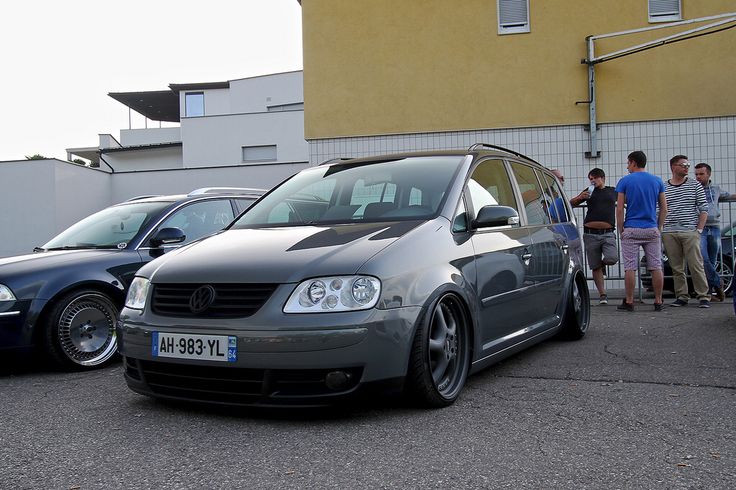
687, 211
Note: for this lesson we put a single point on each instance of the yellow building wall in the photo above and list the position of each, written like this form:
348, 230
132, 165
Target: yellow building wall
401, 66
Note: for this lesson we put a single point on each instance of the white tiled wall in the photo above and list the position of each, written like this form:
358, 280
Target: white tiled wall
711, 140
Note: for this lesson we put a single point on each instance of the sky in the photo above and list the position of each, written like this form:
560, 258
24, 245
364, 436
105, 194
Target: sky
60, 59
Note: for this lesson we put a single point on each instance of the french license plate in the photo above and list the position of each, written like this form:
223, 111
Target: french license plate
190, 346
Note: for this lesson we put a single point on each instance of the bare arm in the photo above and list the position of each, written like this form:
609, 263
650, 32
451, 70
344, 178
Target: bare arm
620, 201
663, 211
580, 198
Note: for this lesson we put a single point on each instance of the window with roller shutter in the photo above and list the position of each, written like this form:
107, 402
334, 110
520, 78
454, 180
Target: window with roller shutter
665, 10
513, 16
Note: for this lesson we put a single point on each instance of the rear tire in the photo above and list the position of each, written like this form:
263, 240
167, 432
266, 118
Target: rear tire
576, 317
440, 356
80, 330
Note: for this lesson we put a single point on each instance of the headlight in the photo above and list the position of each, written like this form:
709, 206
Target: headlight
340, 293
137, 293
6, 294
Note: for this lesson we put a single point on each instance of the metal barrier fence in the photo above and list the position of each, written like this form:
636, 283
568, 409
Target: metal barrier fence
614, 276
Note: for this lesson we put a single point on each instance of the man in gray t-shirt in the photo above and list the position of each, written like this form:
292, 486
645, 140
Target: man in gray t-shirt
687, 212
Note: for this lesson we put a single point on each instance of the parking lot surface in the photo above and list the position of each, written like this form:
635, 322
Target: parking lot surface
646, 400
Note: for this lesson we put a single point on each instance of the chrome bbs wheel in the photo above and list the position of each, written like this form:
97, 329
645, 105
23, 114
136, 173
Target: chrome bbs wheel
83, 329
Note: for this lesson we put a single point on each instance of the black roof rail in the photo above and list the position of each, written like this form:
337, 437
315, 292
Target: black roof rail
336, 160
496, 147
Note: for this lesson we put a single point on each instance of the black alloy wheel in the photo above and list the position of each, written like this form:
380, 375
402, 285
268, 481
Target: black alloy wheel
80, 331
440, 356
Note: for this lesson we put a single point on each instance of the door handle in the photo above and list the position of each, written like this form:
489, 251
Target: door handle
564, 247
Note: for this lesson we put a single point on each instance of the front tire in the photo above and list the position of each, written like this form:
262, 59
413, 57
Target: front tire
576, 317
80, 330
440, 357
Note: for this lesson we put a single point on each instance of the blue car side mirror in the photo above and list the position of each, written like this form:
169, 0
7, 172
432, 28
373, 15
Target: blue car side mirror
167, 236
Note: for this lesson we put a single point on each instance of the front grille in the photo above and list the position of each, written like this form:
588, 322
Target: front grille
231, 300
239, 386
205, 383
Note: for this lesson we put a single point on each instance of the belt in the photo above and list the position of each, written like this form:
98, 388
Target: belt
596, 231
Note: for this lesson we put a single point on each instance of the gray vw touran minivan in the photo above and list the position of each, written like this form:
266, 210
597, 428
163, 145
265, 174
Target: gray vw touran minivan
402, 272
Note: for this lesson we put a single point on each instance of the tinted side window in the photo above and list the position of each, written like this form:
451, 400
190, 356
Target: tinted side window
531, 194
558, 209
489, 184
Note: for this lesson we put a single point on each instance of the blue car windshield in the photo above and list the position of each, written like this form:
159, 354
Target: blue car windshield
403, 189
112, 227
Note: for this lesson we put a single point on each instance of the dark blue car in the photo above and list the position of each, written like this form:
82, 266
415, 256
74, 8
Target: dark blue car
65, 297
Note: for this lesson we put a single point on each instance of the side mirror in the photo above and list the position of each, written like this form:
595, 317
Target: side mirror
490, 216
167, 236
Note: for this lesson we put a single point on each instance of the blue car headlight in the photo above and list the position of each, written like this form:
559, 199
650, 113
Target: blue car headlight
336, 293
6, 294
137, 293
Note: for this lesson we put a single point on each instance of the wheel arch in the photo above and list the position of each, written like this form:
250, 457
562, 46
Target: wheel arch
432, 300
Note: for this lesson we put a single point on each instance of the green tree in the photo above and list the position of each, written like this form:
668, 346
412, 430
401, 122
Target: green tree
37, 156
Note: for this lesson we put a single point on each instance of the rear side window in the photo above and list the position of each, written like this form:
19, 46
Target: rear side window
558, 208
534, 198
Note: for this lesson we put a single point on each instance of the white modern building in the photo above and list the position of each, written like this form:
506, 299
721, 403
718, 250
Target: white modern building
239, 133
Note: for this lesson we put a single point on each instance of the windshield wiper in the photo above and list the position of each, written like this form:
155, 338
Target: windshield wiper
82, 247
38, 249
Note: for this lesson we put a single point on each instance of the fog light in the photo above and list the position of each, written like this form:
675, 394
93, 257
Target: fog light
337, 380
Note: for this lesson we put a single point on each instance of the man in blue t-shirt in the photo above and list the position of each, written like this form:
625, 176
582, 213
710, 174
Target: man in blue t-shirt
640, 192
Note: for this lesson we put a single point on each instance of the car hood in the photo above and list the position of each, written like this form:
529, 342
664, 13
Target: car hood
44, 261
277, 255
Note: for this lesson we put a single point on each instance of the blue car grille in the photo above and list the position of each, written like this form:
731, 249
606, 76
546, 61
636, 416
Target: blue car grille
229, 301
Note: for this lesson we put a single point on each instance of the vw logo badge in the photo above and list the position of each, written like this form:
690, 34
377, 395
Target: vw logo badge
201, 299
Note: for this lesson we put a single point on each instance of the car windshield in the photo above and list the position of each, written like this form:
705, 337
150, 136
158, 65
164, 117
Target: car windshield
403, 189
112, 227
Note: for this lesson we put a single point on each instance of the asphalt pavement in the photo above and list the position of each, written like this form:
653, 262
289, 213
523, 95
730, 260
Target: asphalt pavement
645, 400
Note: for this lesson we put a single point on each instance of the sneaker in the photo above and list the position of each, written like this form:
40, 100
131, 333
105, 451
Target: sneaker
704, 303
603, 300
658, 307
719, 295
625, 306
679, 302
